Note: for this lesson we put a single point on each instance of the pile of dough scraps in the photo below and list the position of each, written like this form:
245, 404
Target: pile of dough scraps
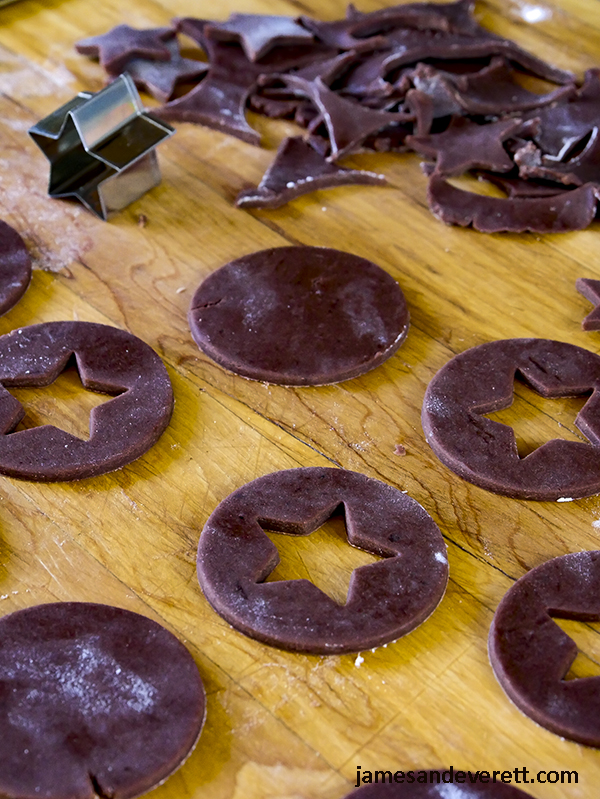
420, 76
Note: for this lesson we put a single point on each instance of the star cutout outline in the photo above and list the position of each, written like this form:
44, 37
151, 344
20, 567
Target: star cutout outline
304, 530
13, 411
522, 382
116, 47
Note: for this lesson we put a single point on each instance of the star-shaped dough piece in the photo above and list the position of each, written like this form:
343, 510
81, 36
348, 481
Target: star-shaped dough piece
348, 123
591, 291
466, 145
192, 27
159, 78
259, 33
115, 48
299, 169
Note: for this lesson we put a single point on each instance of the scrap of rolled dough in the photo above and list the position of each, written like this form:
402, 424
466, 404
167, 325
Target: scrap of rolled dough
591, 291
299, 169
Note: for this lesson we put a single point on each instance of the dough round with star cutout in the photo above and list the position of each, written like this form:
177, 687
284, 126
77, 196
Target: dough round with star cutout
299, 316
484, 452
531, 655
385, 600
109, 361
94, 701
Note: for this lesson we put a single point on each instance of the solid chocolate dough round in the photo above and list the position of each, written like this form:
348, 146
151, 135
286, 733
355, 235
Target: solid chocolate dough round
109, 361
94, 701
15, 267
385, 599
484, 452
531, 655
299, 316
414, 790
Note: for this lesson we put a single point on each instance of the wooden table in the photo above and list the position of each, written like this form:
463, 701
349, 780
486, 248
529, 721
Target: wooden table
283, 725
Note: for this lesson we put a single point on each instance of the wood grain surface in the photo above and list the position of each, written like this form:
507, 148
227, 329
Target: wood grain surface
284, 726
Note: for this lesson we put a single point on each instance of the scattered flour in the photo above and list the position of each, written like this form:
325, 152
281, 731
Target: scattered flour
87, 679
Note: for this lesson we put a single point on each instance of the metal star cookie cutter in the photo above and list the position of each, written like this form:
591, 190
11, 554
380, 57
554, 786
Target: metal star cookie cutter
101, 147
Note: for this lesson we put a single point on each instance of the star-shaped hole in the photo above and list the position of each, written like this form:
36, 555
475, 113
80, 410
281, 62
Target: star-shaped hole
586, 637
324, 557
535, 420
65, 403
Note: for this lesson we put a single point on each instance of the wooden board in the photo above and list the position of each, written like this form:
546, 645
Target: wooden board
282, 725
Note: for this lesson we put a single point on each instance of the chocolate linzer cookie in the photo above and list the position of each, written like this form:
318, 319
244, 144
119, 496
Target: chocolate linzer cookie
94, 701
484, 452
411, 789
15, 267
110, 361
299, 316
385, 599
531, 655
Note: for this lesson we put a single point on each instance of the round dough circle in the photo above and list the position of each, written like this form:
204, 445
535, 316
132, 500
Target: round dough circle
109, 360
93, 700
299, 316
15, 267
530, 654
415, 790
385, 599
483, 451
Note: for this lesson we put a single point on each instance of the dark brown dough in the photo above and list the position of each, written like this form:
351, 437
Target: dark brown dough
558, 213
299, 169
94, 701
385, 600
484, 452
591, 291
259, 33
348, 123
115, 48
109, 361
466, 145
159, 78
299, 316
414, 790
15, 267
531, 655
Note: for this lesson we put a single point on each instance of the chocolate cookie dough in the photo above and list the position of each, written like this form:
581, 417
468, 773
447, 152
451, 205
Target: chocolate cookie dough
385, 600
15, 267
414, 790
110, 361
484, 452
531, 655
591, 291
94, 701
299, 316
